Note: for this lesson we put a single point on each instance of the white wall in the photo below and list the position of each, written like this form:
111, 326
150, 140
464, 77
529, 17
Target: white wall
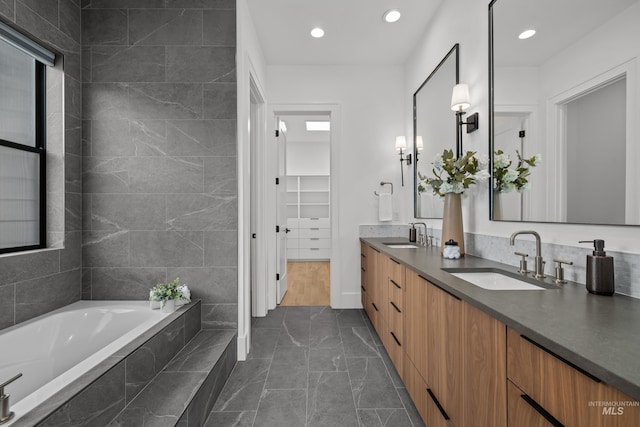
308, 158
441, 34
250, 62
372, 114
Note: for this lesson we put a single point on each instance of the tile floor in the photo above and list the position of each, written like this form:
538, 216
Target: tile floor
314, 366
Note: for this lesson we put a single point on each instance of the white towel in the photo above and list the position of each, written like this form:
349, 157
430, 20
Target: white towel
385, 207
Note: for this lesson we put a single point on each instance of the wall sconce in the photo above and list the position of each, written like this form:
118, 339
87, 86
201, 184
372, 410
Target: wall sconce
459, 103
419, 146
401, 145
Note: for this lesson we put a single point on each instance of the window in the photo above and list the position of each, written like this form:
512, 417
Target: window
22, 142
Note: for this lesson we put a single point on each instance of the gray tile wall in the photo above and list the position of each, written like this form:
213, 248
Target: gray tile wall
159, 151
37, 282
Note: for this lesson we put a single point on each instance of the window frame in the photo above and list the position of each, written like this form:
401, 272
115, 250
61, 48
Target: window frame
40, 149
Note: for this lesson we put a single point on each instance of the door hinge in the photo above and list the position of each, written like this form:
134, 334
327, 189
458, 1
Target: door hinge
521, 134
277, 276
277, 133
277, 228
277, 181
253, 236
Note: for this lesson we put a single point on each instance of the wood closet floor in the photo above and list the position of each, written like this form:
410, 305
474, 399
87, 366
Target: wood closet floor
308, 284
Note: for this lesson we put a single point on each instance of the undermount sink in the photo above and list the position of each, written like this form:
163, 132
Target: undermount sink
401, 245
498, 280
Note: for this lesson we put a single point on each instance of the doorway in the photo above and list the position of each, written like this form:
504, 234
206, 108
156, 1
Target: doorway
304, 206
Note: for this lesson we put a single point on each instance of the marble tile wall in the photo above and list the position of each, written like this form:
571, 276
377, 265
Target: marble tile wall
495, 248
33, 283
159, 151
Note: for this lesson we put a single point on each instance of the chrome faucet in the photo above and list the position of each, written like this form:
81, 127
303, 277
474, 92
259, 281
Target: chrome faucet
539, 273
422, 238
5, 413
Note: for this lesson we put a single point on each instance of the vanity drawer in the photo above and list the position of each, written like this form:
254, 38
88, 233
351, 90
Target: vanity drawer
396, 295
315, 253
396, 272
392, 340
563, 390
314, 242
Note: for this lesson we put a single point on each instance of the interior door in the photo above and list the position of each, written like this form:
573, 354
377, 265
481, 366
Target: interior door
507, 139
281, 214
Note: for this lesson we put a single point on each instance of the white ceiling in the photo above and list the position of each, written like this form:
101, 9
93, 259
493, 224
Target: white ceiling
355, 33
297, 132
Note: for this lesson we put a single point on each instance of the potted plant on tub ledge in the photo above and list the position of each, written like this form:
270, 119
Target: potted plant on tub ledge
169, 296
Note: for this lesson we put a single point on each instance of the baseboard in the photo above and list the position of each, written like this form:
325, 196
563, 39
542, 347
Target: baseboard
243, 346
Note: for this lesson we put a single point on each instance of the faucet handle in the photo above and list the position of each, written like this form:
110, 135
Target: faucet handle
523, 262
6, 383
5, 413
560, 270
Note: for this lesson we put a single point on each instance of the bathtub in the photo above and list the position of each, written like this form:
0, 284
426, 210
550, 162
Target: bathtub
55, 349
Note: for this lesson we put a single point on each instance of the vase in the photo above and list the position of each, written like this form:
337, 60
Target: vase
497, 206
154, 305
169, 306
452, 227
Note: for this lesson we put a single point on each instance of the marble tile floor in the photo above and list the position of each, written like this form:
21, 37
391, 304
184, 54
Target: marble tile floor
314, 366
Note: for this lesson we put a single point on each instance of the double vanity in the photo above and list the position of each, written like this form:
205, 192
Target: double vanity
479, 344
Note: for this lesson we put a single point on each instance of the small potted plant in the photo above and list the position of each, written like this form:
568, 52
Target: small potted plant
166, 295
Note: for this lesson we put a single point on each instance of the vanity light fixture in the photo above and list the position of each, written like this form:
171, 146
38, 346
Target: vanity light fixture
317, 32
527, 34
391, 16
460, 102
401, 145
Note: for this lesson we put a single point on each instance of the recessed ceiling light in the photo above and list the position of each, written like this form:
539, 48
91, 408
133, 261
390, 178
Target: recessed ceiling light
526, 34
391, 16
316, 125
317, 32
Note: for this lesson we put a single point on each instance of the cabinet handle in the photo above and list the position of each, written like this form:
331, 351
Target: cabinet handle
395, 306
442, 289
363, 255
314, 238
440, 408
374, 249
363, 269
314, 249
363, 289
314, 229
374, 306
539, 409
395, 338
563, 360
394, 261
395, 284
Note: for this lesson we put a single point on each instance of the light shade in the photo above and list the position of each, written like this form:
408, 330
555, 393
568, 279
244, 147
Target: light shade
460, 97
419, 143
401, 143
527, 34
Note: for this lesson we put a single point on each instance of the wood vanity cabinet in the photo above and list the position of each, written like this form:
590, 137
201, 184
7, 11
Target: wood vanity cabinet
364, 296
394, 334
559, 393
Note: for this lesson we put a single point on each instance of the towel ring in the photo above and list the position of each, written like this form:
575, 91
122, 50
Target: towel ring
383, 183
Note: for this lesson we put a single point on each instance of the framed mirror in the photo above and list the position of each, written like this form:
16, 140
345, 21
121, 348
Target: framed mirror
434, 129
566, 101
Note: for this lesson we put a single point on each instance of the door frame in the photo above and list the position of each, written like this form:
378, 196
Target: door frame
270, 171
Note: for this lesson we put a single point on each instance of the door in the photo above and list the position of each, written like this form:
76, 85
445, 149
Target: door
509, 139
281, 213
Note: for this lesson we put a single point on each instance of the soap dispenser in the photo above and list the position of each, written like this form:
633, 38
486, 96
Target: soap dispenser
600, 277
412, 232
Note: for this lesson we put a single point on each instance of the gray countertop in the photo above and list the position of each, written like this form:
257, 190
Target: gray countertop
598, 334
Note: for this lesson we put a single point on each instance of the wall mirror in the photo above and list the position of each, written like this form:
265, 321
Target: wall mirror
569, 92
434, 128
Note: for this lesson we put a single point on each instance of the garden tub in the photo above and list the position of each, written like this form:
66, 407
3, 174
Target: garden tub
55, 349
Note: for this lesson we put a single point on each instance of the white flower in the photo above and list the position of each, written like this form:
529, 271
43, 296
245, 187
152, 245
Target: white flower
457, 188
186, 293
482, 175
501, 161
438, 161
524, 187
535, 160
510, 176
446, 188
483, 162
508, 187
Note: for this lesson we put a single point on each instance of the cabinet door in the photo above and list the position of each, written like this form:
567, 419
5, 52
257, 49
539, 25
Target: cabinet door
415, 321
363, 275
444, 369
484, 369
381, 294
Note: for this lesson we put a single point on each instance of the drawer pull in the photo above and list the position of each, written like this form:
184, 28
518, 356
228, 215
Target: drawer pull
363, 269
395, 338
374, 249
395, 284
442, 289
395, 306
374, 306
314, 219
363, 289
394, 261
563, 360
440, 408
314, 228
539, 409
363, 255
314, 238
314, 249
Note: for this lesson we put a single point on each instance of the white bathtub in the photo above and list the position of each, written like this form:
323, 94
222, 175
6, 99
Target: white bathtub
53, 350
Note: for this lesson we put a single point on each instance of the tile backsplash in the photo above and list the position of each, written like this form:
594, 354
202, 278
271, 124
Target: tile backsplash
495, 248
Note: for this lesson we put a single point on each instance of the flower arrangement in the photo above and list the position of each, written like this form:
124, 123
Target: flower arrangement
454, 175
164, 292
507, 180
